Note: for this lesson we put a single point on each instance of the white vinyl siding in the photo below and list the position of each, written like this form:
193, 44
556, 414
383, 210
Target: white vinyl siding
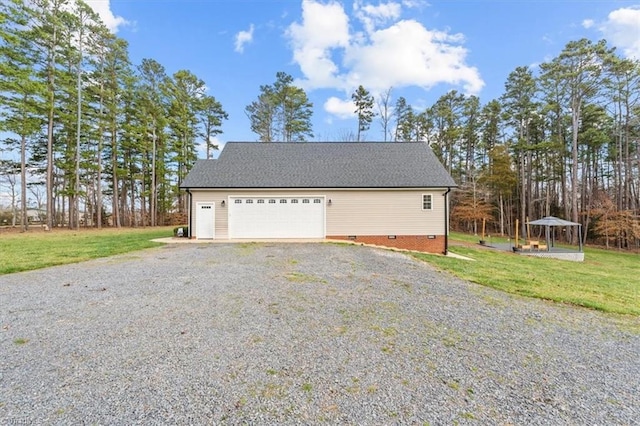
351, 212
383, 213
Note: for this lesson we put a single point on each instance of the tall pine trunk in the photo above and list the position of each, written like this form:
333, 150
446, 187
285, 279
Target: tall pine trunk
24, 220
114, 163
49, 180
154, 185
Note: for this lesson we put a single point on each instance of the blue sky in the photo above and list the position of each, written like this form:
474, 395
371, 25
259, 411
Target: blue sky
421, 49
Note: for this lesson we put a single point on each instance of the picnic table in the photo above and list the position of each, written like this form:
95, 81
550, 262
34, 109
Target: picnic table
533, 245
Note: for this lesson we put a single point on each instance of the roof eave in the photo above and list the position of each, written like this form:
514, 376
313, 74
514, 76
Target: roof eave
230, 188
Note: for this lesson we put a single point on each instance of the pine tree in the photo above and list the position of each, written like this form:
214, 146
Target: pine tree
520, 107
46, 29
403, 112
363, 101
491, 127
446, 114
211, 115
71, 100
20, 91
281, 112
470, 134
622, 86
184, 91
98, 91
262, 115
579, 66
117, 66
152, 79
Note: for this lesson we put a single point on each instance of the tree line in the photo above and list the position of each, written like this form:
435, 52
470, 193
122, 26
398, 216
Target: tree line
103, 136
561, 141
564, 141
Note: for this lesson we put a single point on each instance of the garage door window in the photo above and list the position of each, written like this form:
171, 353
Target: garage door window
305, 201
317, 201
294, 201
260, 201
249, 201
283, 201
272, 201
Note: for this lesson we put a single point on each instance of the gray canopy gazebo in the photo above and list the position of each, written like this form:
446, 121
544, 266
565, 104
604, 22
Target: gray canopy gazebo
550, 221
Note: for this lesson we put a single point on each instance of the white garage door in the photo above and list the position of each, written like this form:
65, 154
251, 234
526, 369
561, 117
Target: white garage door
276, 217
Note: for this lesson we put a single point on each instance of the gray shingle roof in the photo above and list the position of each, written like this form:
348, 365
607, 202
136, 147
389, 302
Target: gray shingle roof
321, 165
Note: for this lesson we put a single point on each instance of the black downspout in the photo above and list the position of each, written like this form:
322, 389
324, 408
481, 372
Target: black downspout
446, 221
190, 210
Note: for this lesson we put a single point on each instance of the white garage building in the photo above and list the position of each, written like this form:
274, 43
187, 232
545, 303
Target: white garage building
393, 194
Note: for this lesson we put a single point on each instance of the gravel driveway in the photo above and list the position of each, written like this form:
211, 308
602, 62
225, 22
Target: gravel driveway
300, 334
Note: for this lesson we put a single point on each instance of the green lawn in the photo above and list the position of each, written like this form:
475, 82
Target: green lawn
37, 249
607, 280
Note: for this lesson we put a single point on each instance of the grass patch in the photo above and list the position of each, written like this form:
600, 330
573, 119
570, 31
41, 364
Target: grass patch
246, 249
467, 416
454, 385
20, 341
606, 280
37, 249
299, 277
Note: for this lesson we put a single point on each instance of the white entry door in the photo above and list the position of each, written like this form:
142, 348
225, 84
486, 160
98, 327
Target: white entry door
276, 217
205, 221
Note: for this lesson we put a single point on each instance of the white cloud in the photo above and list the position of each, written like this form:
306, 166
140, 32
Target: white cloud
408, 54
324, 27
383, 11
373, 16
588, 23
103, 8
390, 53
622, 29
340, 108
414, 3
244, 37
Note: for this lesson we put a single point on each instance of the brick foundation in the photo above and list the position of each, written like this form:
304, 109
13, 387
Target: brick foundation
408, 242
